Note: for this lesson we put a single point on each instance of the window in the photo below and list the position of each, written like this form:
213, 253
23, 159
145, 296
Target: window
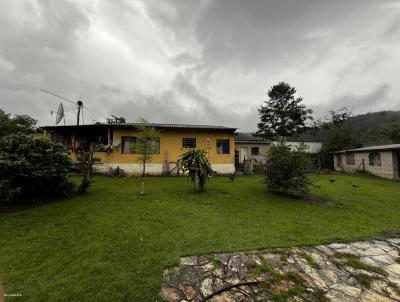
255, 150
223, 146
188, 142
155, 146
127, 141
350, 159
374, 159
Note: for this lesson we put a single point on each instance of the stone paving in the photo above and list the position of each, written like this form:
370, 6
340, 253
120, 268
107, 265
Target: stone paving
359, 271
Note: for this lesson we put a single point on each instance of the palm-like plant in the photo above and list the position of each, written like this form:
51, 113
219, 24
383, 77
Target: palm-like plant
196, 163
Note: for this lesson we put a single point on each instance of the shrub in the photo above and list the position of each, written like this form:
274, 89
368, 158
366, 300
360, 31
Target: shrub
285, 169
196, 163
32, 167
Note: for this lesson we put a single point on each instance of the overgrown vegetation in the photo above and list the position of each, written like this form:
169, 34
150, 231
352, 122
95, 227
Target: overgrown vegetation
285, 169
195, 162
18, 124
32, 167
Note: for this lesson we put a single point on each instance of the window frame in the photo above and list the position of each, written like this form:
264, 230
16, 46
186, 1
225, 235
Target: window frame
375, 159
350, 159
124, 140
255, 153
222, 141
190, 146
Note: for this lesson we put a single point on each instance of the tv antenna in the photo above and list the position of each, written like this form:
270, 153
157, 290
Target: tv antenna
79, 104
60, 114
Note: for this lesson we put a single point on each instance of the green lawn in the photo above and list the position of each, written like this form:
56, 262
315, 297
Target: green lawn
112, 245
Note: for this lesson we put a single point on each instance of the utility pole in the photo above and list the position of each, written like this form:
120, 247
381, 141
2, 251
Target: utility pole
80, 105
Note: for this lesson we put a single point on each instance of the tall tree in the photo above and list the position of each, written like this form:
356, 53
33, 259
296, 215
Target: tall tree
147, 143
283, 115
335, 135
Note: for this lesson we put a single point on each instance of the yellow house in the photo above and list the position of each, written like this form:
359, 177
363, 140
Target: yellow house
113, 143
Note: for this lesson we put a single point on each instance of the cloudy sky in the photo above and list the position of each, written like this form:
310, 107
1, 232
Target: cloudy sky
196, 61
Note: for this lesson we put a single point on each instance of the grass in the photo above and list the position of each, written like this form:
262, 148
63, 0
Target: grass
354, 262
113, 245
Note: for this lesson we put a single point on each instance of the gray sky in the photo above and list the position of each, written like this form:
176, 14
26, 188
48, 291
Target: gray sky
197, 61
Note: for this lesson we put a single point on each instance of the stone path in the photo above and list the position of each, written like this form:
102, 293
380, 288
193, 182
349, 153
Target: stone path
359, 271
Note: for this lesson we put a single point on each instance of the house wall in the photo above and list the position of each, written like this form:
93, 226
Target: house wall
170, 150
262, 151
387, 168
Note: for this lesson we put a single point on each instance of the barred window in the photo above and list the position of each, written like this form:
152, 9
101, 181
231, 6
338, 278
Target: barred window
374, 159
255, 150
189, 142
350, 159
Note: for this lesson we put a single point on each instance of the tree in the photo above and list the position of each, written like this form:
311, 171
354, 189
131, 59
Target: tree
32, 167
147, 143
335, 135
391, 131
285, 169
17, 124
115, 119
283, 115
196, 163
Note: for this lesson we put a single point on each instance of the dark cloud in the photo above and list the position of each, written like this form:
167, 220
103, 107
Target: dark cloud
197, 61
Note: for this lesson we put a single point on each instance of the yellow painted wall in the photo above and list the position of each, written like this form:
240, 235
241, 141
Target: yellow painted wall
171, 142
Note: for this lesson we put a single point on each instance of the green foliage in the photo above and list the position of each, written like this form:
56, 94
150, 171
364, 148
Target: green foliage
196, 163
17, 124
283, 115
145, 145
86, 166
335, 134
285, 169
391, 131
32, 167
115, 119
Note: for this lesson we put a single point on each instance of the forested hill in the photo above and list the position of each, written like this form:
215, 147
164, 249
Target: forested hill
366, 126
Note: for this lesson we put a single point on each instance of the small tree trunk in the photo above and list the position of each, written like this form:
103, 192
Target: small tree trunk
143, 172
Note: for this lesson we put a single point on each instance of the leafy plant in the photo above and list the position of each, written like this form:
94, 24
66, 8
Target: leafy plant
285, 169
196, 163
32, 167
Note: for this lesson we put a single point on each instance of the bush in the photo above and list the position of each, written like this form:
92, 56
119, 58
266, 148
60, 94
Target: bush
285, 169
32, 167
196, 163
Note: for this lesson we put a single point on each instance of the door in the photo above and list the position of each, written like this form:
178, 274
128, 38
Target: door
339, 162
243, 154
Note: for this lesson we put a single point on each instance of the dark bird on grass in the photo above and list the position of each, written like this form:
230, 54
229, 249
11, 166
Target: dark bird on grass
232, 176
332, 180
354, 185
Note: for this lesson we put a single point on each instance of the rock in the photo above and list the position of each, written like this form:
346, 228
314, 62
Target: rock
336, 246
394, 268
386, 259
188, 291
189, 260
170, 294
368, 296
373, 251
347, 290
206, 287
393, 294
338, 296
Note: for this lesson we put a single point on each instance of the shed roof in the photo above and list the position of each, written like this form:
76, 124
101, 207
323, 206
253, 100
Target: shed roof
372, 148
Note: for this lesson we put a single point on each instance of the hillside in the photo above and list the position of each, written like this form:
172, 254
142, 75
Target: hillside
366, 125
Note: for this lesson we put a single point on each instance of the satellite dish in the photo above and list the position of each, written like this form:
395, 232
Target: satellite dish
60, 113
